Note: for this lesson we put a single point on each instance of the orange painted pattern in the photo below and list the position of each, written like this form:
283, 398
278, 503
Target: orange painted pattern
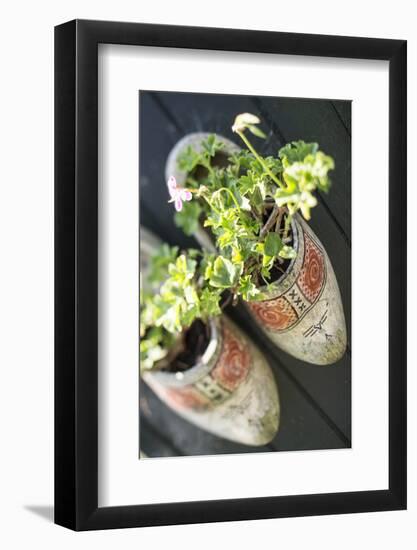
276, 314
233, 364
311, 277
187, 397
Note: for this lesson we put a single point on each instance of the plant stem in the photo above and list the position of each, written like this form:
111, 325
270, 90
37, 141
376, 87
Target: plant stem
279, 220
260, 160
287, 225
231, 194
227, 301
270, 222
211, 205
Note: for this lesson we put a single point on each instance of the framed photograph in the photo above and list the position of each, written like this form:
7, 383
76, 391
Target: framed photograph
230, 252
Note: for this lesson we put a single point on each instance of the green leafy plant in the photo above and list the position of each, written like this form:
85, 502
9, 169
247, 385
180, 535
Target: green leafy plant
177, 294
248, 205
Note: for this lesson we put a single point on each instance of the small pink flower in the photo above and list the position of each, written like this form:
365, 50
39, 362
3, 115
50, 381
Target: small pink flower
178, 194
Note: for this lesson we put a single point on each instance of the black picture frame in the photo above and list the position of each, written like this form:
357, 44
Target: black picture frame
76, 272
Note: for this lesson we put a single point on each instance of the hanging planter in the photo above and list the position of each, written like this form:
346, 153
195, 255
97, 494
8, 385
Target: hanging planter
230, 391
195, 359
301, 309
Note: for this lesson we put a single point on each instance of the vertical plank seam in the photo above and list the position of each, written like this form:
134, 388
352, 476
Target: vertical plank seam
339, 116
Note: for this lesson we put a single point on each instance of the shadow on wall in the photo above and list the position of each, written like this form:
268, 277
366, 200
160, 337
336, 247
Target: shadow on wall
45, 512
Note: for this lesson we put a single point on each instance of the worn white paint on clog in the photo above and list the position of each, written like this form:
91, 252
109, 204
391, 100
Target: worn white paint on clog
303, 312
231, 393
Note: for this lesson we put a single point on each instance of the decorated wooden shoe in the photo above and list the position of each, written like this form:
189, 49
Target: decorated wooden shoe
303, 313
231, 391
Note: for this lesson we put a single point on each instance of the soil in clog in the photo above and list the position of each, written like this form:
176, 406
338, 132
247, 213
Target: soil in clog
220, 160
190, 348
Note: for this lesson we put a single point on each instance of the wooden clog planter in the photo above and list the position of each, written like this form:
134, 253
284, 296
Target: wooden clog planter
303, 313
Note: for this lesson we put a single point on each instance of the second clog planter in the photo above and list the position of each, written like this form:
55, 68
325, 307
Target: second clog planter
193, 357
252, 211
230, 392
